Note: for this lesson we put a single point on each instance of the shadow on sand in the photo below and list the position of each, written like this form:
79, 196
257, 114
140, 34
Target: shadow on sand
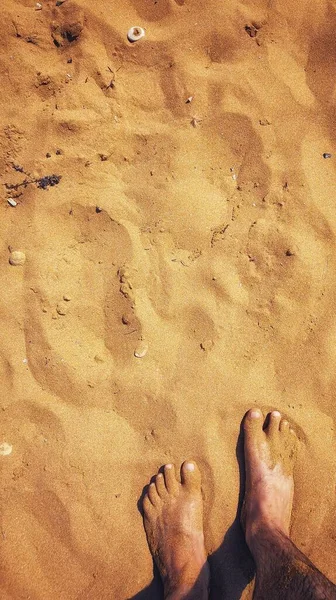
231, 566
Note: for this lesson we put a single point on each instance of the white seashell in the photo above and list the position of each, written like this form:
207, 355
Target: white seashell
135, 33
141, 350
11, 201
5, 449
17, 258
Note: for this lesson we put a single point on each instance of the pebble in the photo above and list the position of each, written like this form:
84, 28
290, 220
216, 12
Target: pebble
5, 449
66, 298
17, 258
61, 309
135, 33
206, 345
99, 358
12, 202
38, 6
141, 350
327, 155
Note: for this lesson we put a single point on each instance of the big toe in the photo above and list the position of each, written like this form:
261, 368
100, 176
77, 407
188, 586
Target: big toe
253, 427
190, 476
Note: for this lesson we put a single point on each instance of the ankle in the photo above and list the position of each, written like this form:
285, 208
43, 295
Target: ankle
188, 586
264, 537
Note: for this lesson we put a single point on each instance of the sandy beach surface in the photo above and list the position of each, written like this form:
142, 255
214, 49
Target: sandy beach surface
172, 202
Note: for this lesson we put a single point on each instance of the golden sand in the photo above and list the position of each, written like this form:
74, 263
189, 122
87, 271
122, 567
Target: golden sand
200, 235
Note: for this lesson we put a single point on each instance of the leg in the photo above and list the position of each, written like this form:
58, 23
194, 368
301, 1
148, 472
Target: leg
173, 519
282, 571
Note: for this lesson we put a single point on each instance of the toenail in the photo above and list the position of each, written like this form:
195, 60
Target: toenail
254, 414
189, 467
275, 413
169, 466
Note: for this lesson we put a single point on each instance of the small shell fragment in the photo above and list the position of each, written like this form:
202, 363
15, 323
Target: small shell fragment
188, 100
38, 6
141, 350
135, 33
11, 201
17, 258
5, 449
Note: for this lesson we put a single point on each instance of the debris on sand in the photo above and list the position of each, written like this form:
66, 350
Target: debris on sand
42, 182
48, 180
327, 155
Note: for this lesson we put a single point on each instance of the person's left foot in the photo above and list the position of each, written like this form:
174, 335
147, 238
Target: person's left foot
173, 518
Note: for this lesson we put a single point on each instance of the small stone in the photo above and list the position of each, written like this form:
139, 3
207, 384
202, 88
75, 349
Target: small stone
99, 358
58, 152
61, 309
207, 345
38, 6
12, 202
195, 121
17, 258
48, 155
327, 155
188, 100
6, 449
98, 209
135, 33
141, 350
66, 298
69, 61
251, 30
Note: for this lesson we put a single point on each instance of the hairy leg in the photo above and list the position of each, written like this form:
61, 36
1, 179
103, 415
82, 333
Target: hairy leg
282, 571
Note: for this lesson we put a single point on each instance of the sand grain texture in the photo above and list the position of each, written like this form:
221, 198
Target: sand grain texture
203, 231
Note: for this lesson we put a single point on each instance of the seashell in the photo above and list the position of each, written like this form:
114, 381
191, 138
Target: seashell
5, 449
141, 350
135, 33
17, 258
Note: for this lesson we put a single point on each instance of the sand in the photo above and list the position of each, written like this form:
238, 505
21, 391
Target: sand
198, 234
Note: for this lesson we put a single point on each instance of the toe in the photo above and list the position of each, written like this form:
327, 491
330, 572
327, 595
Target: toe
170, 479
272, 428
253, 423
153, 495
190, 476
284, 426
147, 506
161, 486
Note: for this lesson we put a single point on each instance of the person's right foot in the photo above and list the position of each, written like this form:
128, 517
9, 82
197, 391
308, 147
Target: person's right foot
269, 461
173, 519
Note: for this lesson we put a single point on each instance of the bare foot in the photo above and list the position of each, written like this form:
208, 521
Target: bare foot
269, 460
173, 518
